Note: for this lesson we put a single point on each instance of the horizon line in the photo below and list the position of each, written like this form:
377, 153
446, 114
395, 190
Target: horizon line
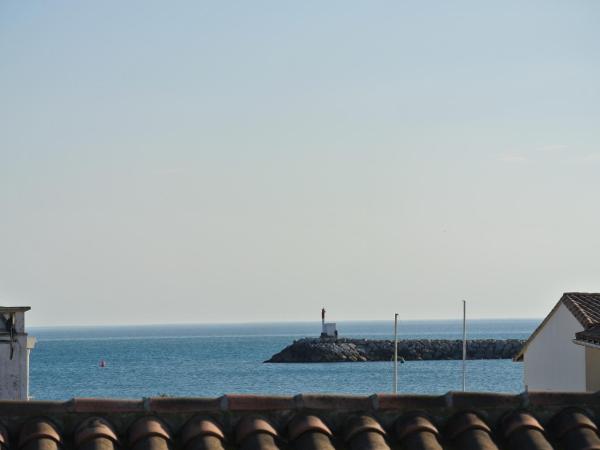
175, 324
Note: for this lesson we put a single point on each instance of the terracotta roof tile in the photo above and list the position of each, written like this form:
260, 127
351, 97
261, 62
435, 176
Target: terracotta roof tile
414, 424
465, 421
94, 428
99, 405
559, 399
522, 431
149, 433
201, 433
252, 425
571, 419
254, 433
475, 400
40, 433
362, 424
168, 404
407, 402
333, 402
200, 426
239, 402
310, 433
302, 424
575, 430
417, 432
365, 433
466, 430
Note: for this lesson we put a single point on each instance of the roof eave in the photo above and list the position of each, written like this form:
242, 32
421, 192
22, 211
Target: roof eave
585, 343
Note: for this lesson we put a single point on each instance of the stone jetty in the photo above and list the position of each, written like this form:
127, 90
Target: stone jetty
355, 350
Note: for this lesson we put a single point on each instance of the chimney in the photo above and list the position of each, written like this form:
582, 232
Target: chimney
15, 346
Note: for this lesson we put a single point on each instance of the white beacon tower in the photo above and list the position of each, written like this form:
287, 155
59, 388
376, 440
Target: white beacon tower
328, 329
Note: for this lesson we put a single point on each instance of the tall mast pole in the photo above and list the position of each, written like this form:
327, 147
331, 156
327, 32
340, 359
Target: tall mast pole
464, 347
396, 353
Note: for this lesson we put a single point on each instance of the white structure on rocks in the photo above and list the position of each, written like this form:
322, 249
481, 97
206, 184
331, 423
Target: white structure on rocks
563, 353
15, 346
328, 330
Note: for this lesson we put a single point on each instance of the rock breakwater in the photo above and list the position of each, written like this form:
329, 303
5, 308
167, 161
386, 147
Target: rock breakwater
355, 350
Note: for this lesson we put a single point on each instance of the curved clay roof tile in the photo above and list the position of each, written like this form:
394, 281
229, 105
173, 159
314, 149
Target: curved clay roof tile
200, 426
465, 421
519, 420
148, 427
252, 425
92, 428
40, 428
362, 424
571, 419
415, 424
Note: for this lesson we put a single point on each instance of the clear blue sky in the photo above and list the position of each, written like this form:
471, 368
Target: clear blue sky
241, 161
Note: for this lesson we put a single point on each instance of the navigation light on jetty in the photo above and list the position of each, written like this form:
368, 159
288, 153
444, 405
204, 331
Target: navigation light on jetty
328, 330
15, 346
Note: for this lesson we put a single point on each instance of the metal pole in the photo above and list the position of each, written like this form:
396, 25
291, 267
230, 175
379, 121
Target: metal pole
396, 353
464, 348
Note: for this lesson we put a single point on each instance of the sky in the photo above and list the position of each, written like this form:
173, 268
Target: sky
192, 162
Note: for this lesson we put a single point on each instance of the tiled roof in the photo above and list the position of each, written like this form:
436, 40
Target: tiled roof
469, 421
585, 307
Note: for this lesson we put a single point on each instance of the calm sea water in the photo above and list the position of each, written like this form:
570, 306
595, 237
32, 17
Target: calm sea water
210, 360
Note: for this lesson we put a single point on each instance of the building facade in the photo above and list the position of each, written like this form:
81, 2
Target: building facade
554, 357
15, 346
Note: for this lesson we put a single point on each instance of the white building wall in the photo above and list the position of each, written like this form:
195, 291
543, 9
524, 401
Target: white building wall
552, 362
592, 366
13, 372
329, 329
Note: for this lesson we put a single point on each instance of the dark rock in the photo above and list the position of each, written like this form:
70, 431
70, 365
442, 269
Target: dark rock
354, 350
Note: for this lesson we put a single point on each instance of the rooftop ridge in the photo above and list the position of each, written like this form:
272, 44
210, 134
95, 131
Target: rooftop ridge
321, 421
315, 402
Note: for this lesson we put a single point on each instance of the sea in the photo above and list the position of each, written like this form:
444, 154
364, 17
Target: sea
209, 360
